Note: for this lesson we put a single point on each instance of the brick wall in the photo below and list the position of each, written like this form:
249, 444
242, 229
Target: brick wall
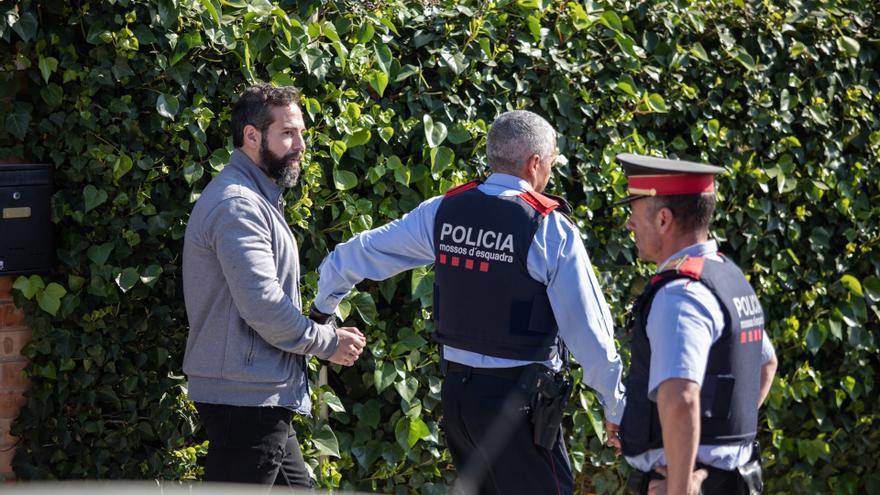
13, 336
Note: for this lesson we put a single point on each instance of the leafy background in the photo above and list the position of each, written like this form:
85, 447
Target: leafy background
129, 99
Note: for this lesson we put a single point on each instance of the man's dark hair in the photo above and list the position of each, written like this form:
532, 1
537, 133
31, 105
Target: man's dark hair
254, 107
692, 211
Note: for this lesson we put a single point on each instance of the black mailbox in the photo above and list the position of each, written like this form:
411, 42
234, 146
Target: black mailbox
26, 244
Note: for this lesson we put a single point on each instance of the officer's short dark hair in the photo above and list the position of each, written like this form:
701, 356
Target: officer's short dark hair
254, 107
691, 211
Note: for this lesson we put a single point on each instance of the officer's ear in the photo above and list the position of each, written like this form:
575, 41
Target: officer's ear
531, 168
665, 219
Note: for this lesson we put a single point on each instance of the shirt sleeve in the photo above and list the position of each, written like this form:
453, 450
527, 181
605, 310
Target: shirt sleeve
684, 321
378, 254
558, 258
239, 235
767, 351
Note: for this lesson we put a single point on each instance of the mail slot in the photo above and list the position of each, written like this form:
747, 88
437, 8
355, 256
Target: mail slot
26, 241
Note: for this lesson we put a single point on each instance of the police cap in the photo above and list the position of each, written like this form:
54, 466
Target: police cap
652, 176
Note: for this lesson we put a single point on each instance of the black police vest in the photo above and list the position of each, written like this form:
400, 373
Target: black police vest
485, 301
731, 386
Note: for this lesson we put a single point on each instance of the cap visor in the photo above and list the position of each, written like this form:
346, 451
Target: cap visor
629, 199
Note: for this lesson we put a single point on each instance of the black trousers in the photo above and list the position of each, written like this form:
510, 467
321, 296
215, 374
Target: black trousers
252, 445
718, 482
489, 434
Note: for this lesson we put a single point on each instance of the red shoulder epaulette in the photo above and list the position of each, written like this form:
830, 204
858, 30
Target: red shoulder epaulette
539, 202
462, 188
692, 267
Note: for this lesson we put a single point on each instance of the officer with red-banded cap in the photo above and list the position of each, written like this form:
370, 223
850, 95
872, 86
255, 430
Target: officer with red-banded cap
512, 282
701, 361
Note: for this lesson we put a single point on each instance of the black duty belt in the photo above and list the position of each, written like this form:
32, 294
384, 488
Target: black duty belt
509, 373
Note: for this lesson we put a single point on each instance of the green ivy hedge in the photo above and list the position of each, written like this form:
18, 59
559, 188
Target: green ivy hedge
129, 99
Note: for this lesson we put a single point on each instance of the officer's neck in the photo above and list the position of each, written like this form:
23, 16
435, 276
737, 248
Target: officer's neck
680, 240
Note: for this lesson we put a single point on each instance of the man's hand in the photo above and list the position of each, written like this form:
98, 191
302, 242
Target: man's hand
658, 487
612, 432
350, 344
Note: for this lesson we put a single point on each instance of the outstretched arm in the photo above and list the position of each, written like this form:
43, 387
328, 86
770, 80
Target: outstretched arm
377, 254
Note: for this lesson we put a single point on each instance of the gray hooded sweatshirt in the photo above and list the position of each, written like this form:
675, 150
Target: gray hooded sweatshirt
248, 339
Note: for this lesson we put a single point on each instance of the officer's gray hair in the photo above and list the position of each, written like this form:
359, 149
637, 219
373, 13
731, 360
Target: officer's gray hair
515, 136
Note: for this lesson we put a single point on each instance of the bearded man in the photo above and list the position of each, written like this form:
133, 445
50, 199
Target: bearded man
248, 340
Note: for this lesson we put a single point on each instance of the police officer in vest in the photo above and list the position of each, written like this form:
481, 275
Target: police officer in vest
513, 282
701, 361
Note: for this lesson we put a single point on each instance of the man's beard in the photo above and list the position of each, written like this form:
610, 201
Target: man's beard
284, 170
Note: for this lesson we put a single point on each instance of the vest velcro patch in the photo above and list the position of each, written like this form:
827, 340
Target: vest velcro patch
542, 204
462, 188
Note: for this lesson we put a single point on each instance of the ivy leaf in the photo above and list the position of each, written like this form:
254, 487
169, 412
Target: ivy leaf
852, 284
434, 133
18, 120
313, 60
409, 431
656, 103
871, 286
628, 46
325, 441
368, 413
418, 430
384, 58
332, 401
816, 335
357, 138
337, 149
93, 197
151, 274
122, 166
441, 158
365, 32
360, 223
422, 282
365, 306
98, 253
192, 172
534, 25
344, 180
384, 375
47, 66
456, 62
50, 298
214, 8
698, 51
402, 175
48, 371
28, 286
26, 26
386, 133
458, 134
167, 106
127, 278
407, 388
746, 59
848, 46
52, 94
407, 341
626, 87
378, 81
612, 21
168, 13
